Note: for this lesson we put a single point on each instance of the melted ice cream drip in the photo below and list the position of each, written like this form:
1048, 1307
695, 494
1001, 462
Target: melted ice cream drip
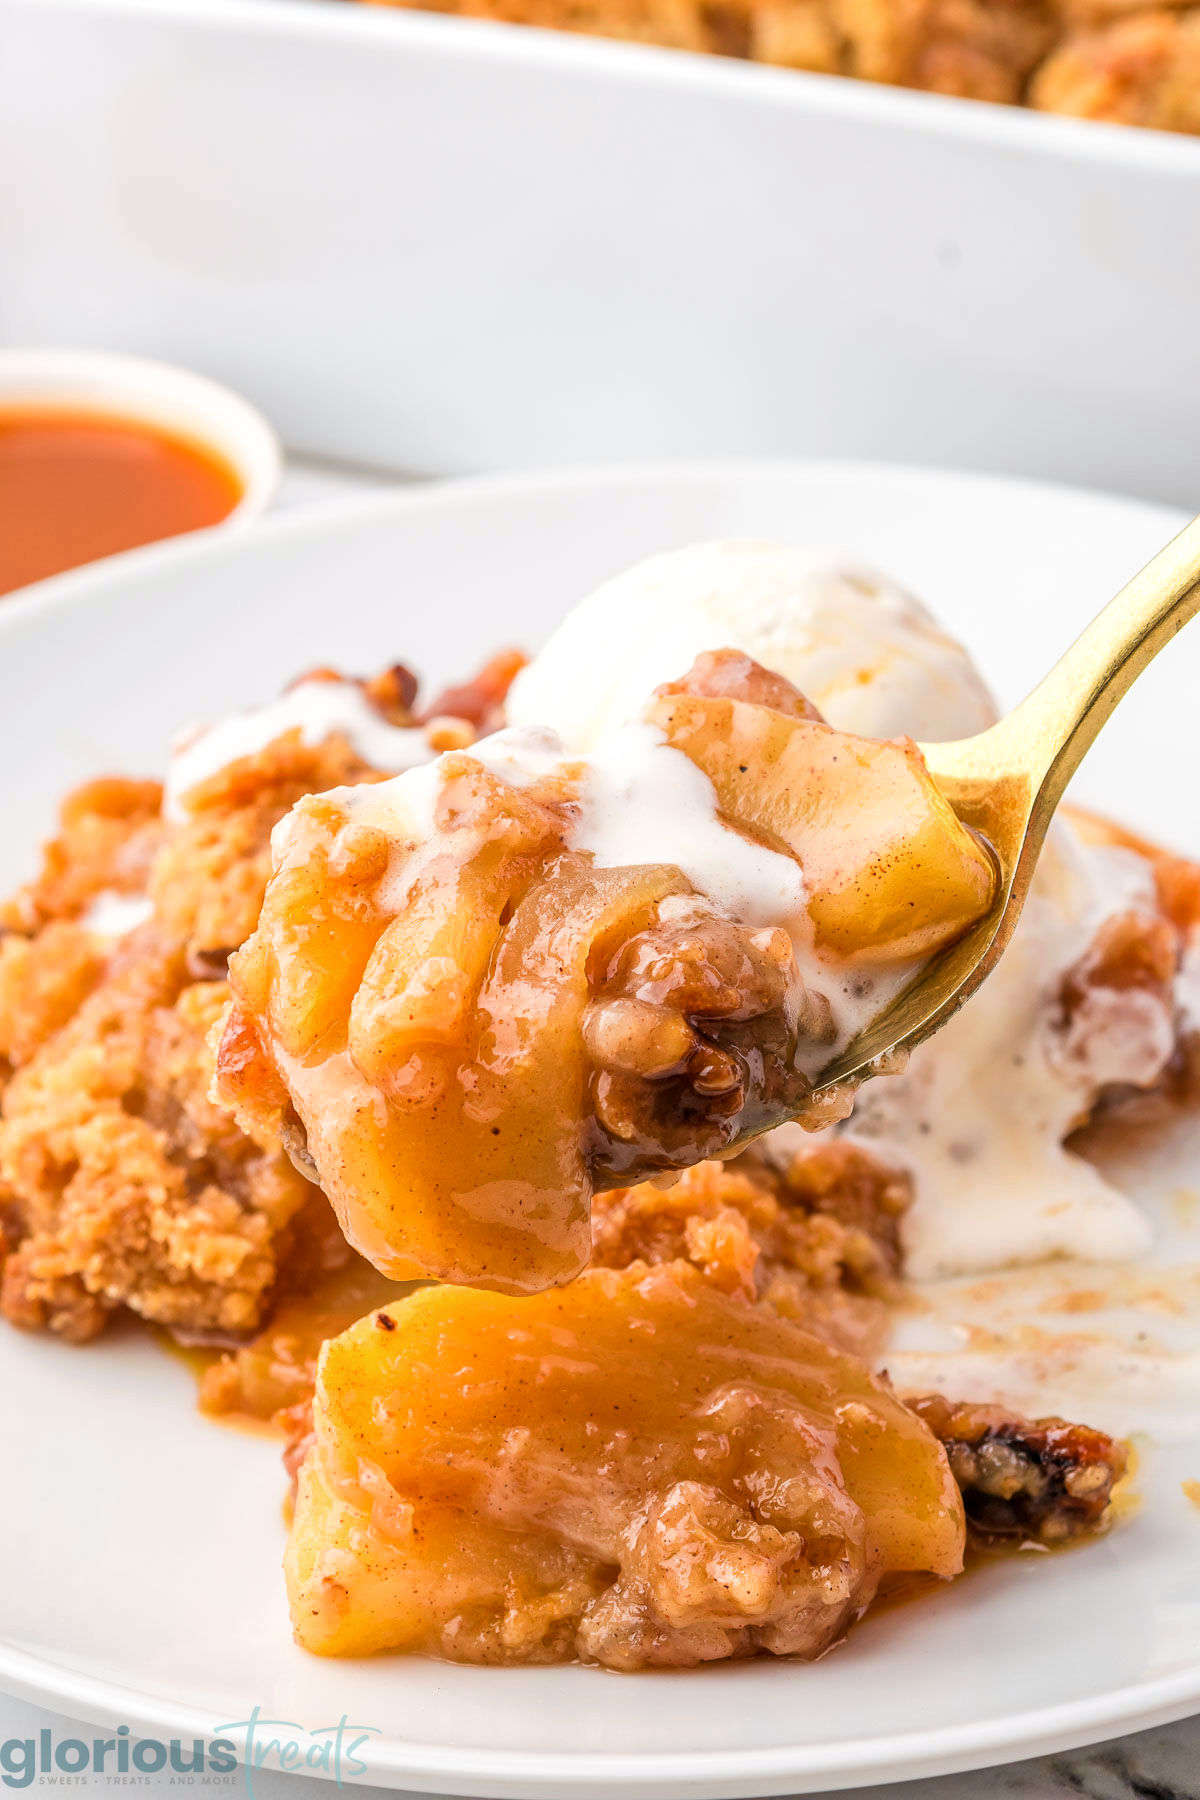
317, 710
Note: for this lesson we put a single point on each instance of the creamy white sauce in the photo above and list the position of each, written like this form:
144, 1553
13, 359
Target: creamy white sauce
1114, 1344
642, 801
317, 710
637, 800
1055, 1340
115, 915
858, 995
979, 1116
403, 808
521, 755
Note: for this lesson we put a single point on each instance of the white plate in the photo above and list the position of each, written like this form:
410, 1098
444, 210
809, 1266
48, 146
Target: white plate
439, 244
139, 1545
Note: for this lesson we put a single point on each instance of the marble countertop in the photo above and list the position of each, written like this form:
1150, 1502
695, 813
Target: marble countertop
1151, 1765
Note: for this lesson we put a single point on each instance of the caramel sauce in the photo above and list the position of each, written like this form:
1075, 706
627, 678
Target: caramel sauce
76, 485
250, 1385
903, 1588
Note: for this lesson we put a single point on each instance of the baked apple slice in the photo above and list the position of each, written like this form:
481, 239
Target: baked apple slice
891, 872
638, 1470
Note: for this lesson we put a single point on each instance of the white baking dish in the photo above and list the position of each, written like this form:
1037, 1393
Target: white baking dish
440, 245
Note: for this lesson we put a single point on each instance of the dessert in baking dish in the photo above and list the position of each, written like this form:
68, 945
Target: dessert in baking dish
620, 913
1128, 66
1126, 62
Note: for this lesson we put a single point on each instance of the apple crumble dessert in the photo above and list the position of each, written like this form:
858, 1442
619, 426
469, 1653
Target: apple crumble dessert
526, 990
474, 999
1122, 61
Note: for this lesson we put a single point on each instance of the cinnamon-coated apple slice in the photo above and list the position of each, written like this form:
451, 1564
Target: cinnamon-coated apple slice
891, 873
638, 1469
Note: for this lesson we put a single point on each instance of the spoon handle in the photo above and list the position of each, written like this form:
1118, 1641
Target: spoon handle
1044, 739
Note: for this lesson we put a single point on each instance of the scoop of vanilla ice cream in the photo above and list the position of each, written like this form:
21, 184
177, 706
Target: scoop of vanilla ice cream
868, 654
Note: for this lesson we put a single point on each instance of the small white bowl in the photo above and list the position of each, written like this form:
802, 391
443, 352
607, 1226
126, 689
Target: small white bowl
134, 388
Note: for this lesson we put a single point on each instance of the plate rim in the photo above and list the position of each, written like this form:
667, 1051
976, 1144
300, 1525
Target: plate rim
213, 544
669, 1775
529, 1773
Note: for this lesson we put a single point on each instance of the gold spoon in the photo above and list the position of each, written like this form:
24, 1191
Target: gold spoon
1007, 782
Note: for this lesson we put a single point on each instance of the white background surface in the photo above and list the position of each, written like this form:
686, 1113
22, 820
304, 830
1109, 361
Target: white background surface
1152, 1766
